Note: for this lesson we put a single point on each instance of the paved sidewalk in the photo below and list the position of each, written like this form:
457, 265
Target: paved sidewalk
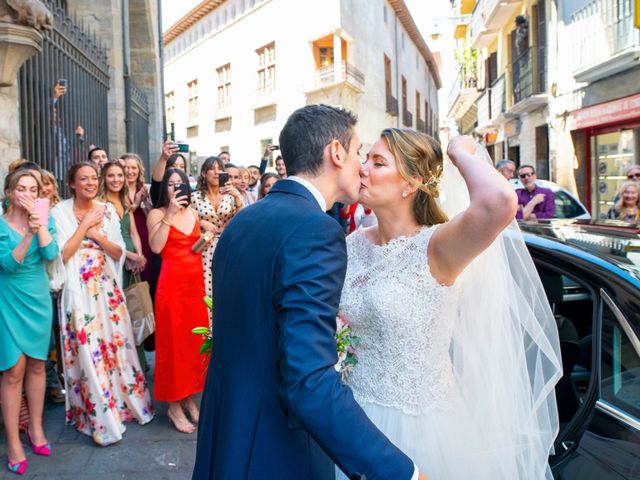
155, 451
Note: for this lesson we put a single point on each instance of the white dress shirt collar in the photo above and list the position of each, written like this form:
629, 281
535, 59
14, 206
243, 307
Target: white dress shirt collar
313, 189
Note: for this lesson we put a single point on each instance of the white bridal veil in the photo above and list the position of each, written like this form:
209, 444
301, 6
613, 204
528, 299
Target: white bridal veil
505, 348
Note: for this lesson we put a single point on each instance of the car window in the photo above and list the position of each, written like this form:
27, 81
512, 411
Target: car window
620, 362
566, 206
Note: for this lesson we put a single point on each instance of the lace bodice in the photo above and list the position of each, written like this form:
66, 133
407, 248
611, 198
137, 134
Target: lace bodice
404, 320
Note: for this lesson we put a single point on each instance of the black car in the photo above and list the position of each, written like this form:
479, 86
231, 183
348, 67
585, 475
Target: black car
591, 275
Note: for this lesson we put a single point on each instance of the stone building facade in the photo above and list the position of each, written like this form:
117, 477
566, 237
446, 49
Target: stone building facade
236, 69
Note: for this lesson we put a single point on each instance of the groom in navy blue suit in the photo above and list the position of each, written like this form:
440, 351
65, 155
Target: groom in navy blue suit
274, 407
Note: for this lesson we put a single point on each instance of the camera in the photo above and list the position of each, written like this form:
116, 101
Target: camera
62, 82
275, 147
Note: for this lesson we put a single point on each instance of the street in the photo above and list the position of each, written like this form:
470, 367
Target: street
153, 451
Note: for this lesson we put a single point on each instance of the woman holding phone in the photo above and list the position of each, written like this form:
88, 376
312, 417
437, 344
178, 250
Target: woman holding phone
216, 202
105, 385
26, 240
180, 369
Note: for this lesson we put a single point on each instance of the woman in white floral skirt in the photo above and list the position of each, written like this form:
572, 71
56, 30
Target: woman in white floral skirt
104, 382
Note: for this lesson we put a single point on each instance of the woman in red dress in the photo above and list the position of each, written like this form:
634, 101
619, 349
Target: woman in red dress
180, 369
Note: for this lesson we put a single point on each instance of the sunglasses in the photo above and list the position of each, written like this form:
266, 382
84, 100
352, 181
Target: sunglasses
526, 175
633, 176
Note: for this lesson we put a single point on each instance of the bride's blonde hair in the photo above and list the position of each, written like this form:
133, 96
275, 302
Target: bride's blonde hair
419, 162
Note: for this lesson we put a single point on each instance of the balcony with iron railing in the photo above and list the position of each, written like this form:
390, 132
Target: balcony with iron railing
463, 94
488, 17
484, 110
491, 105
605, 40
498, 100
527, 88
407, 118
392, 105
345, 73
421, 126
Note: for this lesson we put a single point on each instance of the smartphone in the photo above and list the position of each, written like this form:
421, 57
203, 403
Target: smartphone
62, 82
183, 147
275, 147
42, 209
223, 178
181, 191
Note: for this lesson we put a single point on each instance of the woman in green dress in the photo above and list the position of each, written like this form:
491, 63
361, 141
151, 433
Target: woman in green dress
26, 240
113, 189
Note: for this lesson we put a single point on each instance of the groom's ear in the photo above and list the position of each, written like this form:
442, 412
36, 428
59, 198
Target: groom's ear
335, 154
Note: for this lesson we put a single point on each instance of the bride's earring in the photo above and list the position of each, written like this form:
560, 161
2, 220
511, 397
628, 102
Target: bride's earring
405, 194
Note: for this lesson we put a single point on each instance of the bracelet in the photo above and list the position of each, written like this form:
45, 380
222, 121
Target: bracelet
165, 222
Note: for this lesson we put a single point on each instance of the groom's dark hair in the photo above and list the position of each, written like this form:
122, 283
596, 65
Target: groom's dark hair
308, 131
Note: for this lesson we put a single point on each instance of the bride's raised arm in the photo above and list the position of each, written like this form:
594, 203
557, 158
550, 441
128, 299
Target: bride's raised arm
492, 207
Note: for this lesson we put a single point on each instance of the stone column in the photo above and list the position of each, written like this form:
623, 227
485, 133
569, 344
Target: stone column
17, 44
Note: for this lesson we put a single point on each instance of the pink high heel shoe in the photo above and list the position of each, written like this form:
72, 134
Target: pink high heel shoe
43, 450
17, 468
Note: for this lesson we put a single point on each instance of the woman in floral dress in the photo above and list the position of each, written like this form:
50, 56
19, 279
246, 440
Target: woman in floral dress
104, 383
216, 205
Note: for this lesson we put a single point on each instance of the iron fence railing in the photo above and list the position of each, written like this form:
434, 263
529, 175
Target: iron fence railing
140, 118
346, 73
497, 98
464, 80
484, 107
58, 132
522, 76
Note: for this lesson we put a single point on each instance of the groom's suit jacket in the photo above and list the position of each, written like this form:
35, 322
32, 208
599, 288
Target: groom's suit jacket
273, 405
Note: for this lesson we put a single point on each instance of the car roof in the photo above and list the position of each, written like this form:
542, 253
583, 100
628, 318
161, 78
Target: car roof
612, 245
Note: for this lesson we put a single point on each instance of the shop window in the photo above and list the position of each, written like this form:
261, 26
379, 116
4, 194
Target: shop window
613, 152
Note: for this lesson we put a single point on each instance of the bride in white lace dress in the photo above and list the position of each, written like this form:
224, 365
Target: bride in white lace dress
430, 375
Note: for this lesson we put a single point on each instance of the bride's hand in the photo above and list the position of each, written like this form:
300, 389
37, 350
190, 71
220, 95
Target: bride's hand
461, 144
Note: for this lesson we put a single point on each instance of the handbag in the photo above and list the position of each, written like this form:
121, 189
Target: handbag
56, 272
140, 309
202, 242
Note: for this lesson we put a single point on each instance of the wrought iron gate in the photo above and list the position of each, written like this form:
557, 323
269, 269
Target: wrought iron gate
56, 133
139, 138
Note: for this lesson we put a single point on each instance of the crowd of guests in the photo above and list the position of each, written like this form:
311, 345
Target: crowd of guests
64, 268
65, 265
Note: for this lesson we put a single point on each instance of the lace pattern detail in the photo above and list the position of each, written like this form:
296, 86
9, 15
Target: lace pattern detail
404, 320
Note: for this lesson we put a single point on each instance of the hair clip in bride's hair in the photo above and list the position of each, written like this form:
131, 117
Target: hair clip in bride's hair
434, 179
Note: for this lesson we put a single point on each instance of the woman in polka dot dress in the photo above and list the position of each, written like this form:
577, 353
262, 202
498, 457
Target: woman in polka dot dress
215, 205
